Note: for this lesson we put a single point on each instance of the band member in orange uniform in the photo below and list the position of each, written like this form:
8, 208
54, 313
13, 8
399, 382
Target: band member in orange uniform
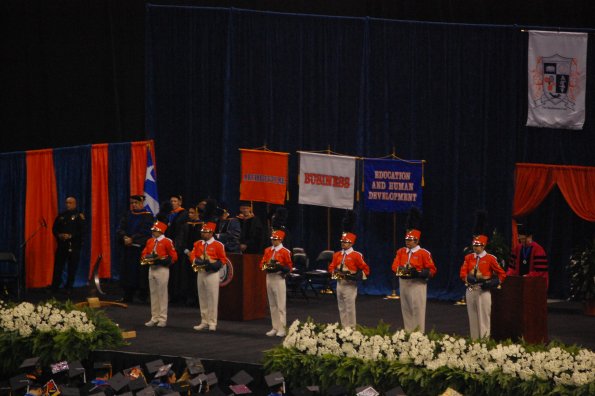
276, 261
348, 267
413, 265
208, 256
160, 253
481, 272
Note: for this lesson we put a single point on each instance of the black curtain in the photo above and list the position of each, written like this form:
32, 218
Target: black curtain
454, 95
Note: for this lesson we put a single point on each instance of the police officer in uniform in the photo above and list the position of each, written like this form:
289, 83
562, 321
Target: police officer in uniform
68, 230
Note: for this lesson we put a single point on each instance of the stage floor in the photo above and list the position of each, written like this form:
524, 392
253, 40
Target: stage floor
246, 341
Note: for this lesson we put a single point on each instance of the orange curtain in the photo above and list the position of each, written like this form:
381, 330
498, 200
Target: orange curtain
138, 165
535, 181
577, 185
100, 220
41, 205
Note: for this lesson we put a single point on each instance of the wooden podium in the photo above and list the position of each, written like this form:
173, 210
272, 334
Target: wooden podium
519, 309
245, 297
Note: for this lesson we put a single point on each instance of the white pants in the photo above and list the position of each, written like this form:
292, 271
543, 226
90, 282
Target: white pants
277, 295
207, 284
346, 295
158, 279
413, 294
479, 308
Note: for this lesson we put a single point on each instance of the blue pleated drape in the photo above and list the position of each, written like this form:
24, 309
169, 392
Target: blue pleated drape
453, 95
73, 178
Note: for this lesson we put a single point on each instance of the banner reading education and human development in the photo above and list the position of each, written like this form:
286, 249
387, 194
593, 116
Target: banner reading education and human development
392, 185
326, 180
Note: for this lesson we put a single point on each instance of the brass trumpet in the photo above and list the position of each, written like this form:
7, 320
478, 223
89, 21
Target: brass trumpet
404, 272
149, 259
271, 266
473, 286
199, 267
339, 275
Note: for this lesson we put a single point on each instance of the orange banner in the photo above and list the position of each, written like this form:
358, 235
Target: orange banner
264, 176
41, 209
100, 221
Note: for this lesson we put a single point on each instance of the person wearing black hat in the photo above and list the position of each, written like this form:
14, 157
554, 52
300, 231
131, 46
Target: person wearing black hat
348, 267
166, 377
68, 230
207, 257
229, 231
480, 272
528, 258
276, 261
191, 235
100, 383
32, 369
413, 265
133, 232
252, 234
176, 218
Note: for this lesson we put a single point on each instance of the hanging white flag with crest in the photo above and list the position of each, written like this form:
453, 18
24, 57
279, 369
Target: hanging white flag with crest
327, 180
557, 79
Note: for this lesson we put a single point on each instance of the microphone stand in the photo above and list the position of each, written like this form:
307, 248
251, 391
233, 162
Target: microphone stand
20, 277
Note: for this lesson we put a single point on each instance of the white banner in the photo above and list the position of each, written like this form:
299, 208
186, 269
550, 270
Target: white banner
557, 68
326, 180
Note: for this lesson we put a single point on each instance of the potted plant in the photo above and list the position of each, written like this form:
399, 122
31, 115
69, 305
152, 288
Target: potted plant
582, 276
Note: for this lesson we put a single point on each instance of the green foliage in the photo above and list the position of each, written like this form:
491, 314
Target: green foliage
582, 272
55, 346
302, 369
499, 248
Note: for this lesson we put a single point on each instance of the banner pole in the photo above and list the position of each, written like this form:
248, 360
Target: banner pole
328, 228
393, 278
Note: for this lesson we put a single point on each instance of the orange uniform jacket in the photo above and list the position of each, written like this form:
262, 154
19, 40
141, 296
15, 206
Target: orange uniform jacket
165, 248
215, 250
420, 259
283, 256
488, 266
354, 261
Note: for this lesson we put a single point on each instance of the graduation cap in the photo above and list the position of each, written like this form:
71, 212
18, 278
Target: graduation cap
212, 379
274, 380
19, 382
196, 381
102, 367
137, 384
242, 378
154, 366
366, 391
133, 372
30, 363
118, 381
148, 391
69, 391
163, 370
215, 391
75, 368
194, 366
398, 391
337, 390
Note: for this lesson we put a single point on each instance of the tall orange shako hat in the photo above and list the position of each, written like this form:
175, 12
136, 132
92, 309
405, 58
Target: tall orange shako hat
348, 224
479, 228
413, 224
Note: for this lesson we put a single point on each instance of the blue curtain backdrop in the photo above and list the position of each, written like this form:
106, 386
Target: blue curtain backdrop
13, 179
454, 95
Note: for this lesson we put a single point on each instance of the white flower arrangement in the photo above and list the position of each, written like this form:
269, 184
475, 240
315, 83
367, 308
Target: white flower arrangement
554, 364
26, 319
